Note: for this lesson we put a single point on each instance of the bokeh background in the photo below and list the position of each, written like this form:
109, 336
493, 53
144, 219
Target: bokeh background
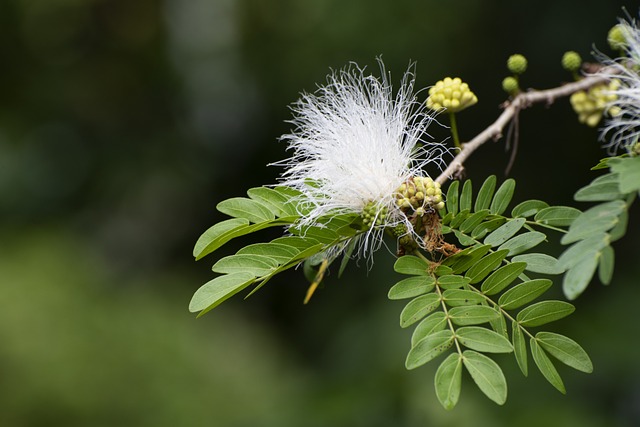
123, 123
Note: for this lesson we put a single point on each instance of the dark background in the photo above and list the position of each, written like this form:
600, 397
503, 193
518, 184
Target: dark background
123, 123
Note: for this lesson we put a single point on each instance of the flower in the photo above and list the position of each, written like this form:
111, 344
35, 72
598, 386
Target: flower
622, 129
451, 94
354, 144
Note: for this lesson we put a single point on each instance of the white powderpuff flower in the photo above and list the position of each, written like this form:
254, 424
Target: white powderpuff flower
354, 143
622, 129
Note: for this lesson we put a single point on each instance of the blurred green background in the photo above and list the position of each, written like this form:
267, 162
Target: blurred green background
124, 122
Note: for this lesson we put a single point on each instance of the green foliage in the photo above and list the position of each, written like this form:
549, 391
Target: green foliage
479, 301
592, 232
257, 263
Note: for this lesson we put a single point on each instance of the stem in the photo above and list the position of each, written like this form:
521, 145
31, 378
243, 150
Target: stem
522, 101
442, 303
454, 131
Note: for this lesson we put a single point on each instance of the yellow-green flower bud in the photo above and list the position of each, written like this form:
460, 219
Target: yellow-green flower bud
616, 37
571, 61
510, 85
517, 64
452, 94
591, 105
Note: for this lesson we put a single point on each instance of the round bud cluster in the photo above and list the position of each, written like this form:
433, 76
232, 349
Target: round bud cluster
419, 194
571, 61
591, 105
616, 37
517, 64
510, 85
374, 215
452, 94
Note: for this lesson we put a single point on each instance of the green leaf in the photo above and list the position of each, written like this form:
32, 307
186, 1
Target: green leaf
620, 229
502, 277
411, 287
523, 242
442, 270
544, 312
241, 207
485, 266
524, 293
429, 348
557, 216
528, 208
452, 281
459, 219
485, 195
461, 297
629, 174
546, 366
466, 197
578, 277
606, 264
593, 221
448, 380
472, 315
504, 232
418, 308
411, 265
473, 220
520, 349
276, 251
498, 324
540, 263
581, 250
464, 239
322, 235
598, 192
218, 290
503, 197
464, 259
487, 375
483, 339
255, 265
300, 243
452, 197
276, 202
213, 238
432, 323
565, 350
486, 227
351, 246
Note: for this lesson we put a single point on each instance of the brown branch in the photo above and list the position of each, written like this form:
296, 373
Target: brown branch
520, 102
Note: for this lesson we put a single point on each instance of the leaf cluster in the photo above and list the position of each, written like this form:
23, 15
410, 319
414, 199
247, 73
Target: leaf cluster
257, 263
594, 230
480, 301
